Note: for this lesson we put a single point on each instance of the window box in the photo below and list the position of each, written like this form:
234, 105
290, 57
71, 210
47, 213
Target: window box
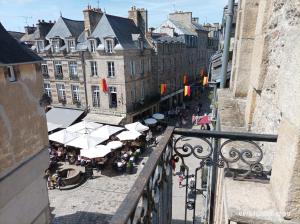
59, 77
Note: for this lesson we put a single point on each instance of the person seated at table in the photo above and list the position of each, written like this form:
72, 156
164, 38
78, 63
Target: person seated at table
125, 156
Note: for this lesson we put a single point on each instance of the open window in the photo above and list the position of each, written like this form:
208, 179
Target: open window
113, 102
11, 74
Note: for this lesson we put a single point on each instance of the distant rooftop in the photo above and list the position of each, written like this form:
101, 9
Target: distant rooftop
12, 52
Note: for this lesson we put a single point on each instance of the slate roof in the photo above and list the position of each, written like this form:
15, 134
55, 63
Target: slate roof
118, 27
16, 35
12, 52
39, 34
64, 28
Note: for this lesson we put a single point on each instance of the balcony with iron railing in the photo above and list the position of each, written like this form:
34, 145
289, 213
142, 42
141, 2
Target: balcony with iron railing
150, 199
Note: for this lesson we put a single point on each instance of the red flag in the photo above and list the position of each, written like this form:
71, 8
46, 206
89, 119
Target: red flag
185, 79
163, 88
104, 85
187, 90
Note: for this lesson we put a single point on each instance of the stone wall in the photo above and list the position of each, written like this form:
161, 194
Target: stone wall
23, 148
270, 83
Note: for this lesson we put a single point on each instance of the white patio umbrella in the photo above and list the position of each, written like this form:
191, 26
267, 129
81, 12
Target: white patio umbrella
63, 136
106, 131
114, 144
86, 141
96, 152
158, 116
128, 135
84, 127
150, 121
52, 126
136, 126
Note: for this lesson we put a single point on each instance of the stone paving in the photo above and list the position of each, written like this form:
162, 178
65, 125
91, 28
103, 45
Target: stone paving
93, 202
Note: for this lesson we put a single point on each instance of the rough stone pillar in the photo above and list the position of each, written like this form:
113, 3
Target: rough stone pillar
258, 67
285, 177
244, 45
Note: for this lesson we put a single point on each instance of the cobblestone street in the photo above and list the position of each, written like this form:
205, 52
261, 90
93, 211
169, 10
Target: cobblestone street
93, 202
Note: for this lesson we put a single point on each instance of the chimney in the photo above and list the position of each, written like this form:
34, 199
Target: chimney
91, 19
181, 17
195, 19
29, 29
139, 17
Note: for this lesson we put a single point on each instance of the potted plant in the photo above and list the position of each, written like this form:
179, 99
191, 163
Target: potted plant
129, 167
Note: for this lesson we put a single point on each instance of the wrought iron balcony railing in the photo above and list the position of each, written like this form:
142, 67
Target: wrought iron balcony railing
150, 199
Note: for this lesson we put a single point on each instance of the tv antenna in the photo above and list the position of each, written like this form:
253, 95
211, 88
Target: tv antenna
26, 19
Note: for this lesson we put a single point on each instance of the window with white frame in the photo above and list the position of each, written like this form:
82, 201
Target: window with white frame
93, 45
61, 92
58, 68
71, 45
109, 46
40, 46
44, 68
94, 71
132, 67
47, 89
73, 69
75, 94
111, 68
10, 72
113, 103
96, 96
56, 46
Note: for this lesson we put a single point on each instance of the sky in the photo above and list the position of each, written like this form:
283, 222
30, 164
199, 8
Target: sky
15, 14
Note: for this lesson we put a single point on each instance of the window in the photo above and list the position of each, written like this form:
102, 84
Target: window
113, 97
47, 89
44, 69
109, 46
94, 71
11, 74
71, 45
132, 68
73, 69
111, 69
133, 95
149, 64
61, 92
58, 68
93, 45
143, 90
56, 47
40, 46
142, 66
75, 94
96, 96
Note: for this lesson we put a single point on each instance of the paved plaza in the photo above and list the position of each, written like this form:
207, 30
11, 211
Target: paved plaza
93, 202
98, 199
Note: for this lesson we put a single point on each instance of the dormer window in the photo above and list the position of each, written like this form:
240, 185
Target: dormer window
71, 45
109, 46
40, 46
55, 46
93, 45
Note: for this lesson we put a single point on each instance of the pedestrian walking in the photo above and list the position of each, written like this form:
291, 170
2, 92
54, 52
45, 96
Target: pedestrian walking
173, 164
180, 180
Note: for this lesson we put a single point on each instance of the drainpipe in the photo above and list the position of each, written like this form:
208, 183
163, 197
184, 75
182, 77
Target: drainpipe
226, 43
84, 79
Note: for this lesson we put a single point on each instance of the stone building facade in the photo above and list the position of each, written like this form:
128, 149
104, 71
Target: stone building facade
264, 91
79, 56
23, 138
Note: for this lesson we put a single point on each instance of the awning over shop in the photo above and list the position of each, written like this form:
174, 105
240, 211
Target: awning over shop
171, 94
63, 116
52, 126
103, 118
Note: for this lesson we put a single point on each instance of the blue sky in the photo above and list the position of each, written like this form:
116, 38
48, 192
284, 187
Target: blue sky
15, 13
